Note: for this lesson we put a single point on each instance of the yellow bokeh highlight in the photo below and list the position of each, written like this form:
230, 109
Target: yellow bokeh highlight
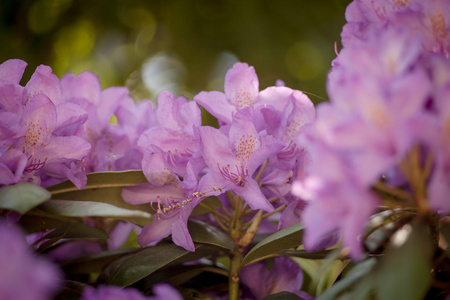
304, 60
143, 22
43, 14
73, 44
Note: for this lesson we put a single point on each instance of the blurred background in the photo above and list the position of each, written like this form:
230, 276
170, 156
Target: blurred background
178, 45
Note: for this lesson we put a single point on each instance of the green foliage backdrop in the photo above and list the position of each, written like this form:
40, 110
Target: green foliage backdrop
184, 46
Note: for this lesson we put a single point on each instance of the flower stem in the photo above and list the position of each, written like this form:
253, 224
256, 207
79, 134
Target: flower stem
261, 171
251, 231
233, 275
221, 225
236, 255
393, 191
214, 212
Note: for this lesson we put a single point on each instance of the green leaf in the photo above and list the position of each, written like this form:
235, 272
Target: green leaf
328, 276
321, 254
103, 187
70, 231
36, 220
284, 239
95, 262
76, 231
135, 267
283, 296
110, 195
205, 233
349, 280
405, 270
71, 208
179, 274
102, 180
445, 230
72, 290
22, 197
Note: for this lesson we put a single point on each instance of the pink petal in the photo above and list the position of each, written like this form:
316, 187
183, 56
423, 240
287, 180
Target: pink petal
12, 70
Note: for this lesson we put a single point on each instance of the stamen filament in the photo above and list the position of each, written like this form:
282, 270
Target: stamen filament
214, 212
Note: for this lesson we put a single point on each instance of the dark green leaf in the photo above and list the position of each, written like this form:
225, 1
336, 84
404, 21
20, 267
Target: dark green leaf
37, 221
102, 180
69, 208
205, 233
103, 187
72, 290
405, 269
327, 275
283, 296
110, 195
349, 280
95, 262
22, 197
178, 274
135, 267
322, 254
76, 231
445, 230
192, 294
287, 238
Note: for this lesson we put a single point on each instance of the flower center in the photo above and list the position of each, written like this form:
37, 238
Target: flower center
402, 3
176, 158
237, 177
35, 164
245, 146
438, 26
34, 138
292, 130
243, 99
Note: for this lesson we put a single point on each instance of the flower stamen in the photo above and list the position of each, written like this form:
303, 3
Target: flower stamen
237, 178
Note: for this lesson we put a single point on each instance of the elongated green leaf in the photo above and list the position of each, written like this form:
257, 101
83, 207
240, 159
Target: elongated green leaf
307, 254
102, 180
76, 231
445, 230
205, 233
283, 296
36, 220
103, 187
72, 290
405, 270
71, 208
110, 195
179, 274
137, 266
22, 197
329, 275
349, 280
282, 240
95, 262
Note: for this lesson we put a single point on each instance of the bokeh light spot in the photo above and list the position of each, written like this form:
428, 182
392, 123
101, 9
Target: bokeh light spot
73, 44
304, 60
163, 71
43, 14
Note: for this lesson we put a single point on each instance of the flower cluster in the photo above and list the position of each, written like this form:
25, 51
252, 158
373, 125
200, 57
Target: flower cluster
373, 160
252, 154
54, 130
385, 129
